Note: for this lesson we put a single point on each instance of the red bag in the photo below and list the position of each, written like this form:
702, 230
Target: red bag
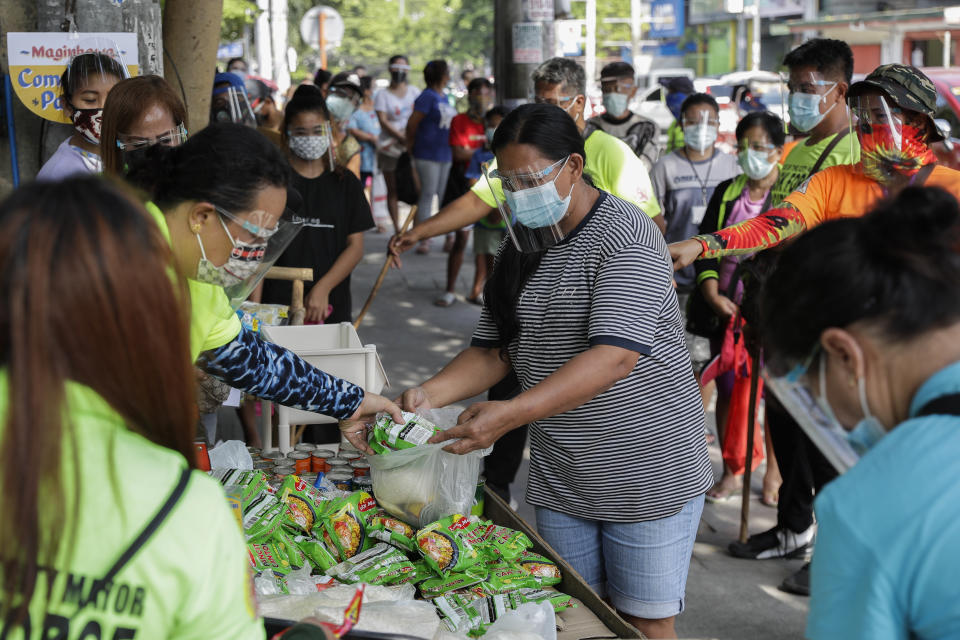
735, 437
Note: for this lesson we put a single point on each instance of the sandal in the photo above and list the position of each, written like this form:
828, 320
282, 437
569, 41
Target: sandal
477, 301
718, 493
445, 300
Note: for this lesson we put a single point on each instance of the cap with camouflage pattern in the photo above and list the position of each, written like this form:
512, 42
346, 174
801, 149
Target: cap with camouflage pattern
907, 86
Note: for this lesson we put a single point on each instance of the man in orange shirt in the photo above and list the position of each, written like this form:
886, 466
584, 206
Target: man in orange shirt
893, 108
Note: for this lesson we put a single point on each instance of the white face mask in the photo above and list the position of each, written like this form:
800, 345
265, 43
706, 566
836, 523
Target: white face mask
756, 164
309, 147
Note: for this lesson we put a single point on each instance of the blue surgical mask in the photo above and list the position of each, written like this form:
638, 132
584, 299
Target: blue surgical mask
615, 103
340, 108
804, 109
699, 137
489, 133
866, 433
755, 163
540, 206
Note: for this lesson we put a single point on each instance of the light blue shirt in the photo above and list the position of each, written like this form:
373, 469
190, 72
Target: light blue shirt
887, 558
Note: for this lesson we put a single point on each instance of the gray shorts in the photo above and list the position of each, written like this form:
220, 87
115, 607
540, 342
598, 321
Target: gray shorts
697, 346
486, 242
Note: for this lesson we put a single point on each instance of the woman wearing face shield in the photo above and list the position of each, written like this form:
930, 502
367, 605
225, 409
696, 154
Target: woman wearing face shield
84, 87
342, 100
581, 306
760, 141
220, 200
880, 353
139, 113
394, 105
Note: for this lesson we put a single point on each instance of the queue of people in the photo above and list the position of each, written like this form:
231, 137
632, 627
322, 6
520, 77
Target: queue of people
609, 273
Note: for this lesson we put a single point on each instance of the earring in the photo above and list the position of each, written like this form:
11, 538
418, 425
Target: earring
196, 229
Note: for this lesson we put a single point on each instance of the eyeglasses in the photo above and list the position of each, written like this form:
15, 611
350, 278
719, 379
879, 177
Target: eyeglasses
319, 130
519, 180
554, 101
253, 223
173, 138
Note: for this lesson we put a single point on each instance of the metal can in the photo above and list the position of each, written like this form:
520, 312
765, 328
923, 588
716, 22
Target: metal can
351, 456
263, 465
341, 480
305, 447
318, 460
363, 484
339, 468
203, 458
338, 461
301, 461
283, 470
361, 468
272, 454
478, 498
254, 452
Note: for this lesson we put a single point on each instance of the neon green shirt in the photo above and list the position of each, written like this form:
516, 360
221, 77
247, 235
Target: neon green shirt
674, 137
191, 580
212, 320
612, 166
802, 158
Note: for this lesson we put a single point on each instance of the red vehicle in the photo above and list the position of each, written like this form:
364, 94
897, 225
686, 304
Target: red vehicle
947, 82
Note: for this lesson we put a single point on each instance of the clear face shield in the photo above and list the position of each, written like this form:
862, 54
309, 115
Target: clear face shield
803, 393
531, 204
808, 97
399, 72
892, 140
172, 138
616, 94
342, 102
261, 240
230, 104
87, 80
701, 125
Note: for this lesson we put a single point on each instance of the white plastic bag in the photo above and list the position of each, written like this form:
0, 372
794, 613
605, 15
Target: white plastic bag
527, 622
424, 484
231, 454
416, 618
297, 607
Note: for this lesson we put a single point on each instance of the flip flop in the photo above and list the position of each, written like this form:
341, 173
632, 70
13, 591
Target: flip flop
445, 300
720, 495
477, 301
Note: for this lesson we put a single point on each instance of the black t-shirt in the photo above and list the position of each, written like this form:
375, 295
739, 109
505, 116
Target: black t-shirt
334, 206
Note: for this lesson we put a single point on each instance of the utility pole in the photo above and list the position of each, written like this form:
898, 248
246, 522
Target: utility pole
191, 31
512, 77
19, 15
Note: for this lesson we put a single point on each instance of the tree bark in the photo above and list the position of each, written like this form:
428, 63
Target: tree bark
191, 33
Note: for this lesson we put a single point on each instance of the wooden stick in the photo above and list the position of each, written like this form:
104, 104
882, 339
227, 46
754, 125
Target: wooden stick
290, 273
383, 272
297, 311
751, 428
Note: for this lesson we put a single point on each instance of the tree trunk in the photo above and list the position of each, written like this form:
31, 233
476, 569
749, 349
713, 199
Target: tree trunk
191, 30
18, 15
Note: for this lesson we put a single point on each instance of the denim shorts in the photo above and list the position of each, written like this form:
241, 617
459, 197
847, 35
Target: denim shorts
640, 566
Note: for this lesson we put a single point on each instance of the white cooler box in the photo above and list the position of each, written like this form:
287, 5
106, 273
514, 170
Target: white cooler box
333, 348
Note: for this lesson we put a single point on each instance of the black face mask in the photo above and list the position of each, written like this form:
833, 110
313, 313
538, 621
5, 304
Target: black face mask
397, 77
134, 157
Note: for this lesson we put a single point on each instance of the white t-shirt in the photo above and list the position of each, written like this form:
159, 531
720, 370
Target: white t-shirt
398, 111
68, 161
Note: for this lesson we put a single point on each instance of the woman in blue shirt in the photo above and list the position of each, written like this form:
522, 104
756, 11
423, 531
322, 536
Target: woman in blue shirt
880, 349
428, 139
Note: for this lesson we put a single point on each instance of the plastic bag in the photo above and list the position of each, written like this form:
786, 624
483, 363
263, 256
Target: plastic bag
526, 622
298, 607
416, 618
231, 454
424, 484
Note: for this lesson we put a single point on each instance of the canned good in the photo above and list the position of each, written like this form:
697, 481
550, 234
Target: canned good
305, 447
203, 458
300, 460
309, 478
283, 470
254, 451
338, 461
478, 498
363, 484
361, 468
342, 480
318, 460
263, 464
340, 468
346, 445
272, 454
351, 456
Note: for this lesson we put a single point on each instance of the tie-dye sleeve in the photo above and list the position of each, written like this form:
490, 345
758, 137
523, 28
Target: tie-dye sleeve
766, 230
273, 373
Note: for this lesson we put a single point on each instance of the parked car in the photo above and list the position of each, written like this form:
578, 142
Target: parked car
947, 82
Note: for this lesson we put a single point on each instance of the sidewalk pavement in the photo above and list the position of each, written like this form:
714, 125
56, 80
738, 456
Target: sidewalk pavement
727, 598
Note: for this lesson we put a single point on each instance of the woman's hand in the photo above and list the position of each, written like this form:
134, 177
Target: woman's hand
354, 428
684, 253
478, 427
415, 399
317, 303
723, 306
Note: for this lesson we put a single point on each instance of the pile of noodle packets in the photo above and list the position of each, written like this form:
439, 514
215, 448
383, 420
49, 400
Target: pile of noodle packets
473, 570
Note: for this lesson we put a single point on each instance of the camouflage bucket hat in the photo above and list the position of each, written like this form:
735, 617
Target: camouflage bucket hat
907, 86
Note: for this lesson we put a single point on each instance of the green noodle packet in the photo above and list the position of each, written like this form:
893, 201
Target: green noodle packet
389, 436
451, 545
508, 543
559, 601
433, 587
316, 552
398, 533
542, 568
381, 565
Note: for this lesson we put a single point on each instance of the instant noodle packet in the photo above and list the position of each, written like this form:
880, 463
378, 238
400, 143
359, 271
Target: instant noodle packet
508, 543
451, 545
317, 553
437, 586
345, 522
393, 531
505, 577
268, 555
559, 601
389, 436
381, 565
543, 569
304, 503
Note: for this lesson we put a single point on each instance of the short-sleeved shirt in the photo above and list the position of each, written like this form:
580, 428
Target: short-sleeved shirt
433, 135
479, 157
191, 579
334, 206
397, 111
68, 161
611, 165
466, 132
212, 320
635, 452
368, 122
803, 157
684, 189
886, 562
844, 191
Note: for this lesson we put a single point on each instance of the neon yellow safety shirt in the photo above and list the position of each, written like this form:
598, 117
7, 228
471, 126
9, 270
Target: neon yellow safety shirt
212, 320
191, 580
613, 167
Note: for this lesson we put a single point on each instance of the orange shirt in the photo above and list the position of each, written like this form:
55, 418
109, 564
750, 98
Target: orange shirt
788, 147
843, 191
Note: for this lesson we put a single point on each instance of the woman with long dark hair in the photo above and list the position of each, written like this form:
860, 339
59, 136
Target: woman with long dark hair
581, 306
97, 414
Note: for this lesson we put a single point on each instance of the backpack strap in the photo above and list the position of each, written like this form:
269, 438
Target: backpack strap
140, 540
948, 405
828, 150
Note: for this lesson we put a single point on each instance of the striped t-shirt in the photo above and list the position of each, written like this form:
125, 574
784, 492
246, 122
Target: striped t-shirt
635, 452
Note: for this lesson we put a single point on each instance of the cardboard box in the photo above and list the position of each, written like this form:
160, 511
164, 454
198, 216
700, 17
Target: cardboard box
595, 619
